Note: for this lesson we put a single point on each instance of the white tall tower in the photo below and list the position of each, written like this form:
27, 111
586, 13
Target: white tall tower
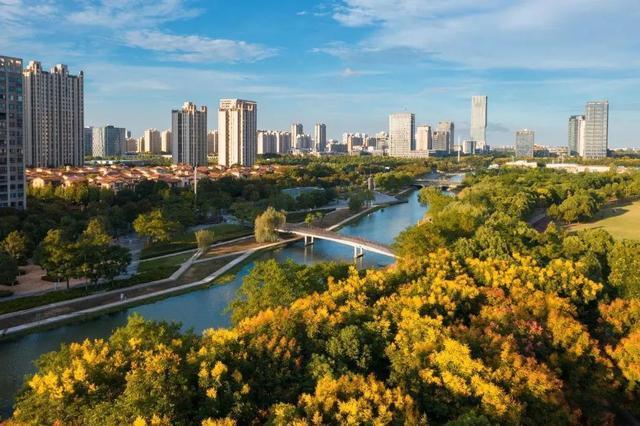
478, 130
596, 130
237, 132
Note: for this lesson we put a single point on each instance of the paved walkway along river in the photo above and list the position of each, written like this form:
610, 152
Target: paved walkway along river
204, 308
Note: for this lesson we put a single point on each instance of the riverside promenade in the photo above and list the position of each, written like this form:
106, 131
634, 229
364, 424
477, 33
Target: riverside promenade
48, 316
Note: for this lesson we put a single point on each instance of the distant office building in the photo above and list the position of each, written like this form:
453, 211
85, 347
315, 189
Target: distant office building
320, 137
189, 135
382, 140
304, 142
283, 142
87, 139
108, 141
353, 141
165, 141
478, 130
152, 141
237, 132
468, 147
401, 134
296, 129
212, 142
12, 180
336, 147
424, 139
371, 142
576, 134
525, 140
443, 137
596, 130
54, 116
267, 142
132, 144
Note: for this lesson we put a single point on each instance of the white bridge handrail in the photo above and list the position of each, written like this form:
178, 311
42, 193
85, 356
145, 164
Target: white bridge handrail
323, 234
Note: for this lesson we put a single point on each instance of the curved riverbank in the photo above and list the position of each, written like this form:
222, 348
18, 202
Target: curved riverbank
43, 317
205, 307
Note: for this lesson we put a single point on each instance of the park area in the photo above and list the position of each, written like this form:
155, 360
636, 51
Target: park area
622, 221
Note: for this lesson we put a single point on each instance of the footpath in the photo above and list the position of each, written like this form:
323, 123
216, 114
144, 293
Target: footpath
27, 320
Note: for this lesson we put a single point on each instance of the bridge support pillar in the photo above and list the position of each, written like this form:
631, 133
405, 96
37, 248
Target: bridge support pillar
308, 240
357, 252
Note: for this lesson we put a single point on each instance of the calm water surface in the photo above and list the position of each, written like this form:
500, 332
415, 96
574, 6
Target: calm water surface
204, 308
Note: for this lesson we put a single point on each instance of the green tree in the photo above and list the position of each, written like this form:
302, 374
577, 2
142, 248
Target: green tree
271, 284
98, 257
356, 202
155, 226
16, 246
58, 256
311, 218
8, 269
580, 206
204, 238
266, 223
624, 261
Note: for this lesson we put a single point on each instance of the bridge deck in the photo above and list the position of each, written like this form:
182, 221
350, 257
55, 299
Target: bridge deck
323, 234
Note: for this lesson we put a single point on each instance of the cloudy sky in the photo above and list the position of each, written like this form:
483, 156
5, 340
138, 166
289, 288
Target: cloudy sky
348, 63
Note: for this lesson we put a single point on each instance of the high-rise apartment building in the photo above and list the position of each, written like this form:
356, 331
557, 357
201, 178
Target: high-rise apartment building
525, 140
140, 145
54, 116
108, 141
152, 141
576, 134
596, 130
189, 135
12, 180
424, 139
237, 132
478, 131
283, 142
401, 134
296, 129
165, 141
212, 142
267, 142
320, 137
87, 141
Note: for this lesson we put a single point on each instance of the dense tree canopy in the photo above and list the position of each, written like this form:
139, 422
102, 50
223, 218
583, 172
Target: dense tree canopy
483, 320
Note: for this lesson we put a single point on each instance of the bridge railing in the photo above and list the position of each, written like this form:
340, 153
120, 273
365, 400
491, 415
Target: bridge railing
319, 232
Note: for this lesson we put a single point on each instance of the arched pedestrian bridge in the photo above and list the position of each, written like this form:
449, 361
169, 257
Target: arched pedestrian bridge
310, 233
443, 183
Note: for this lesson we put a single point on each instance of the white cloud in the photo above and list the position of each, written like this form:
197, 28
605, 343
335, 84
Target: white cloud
544, 34
350, 72
127, 13
192, 48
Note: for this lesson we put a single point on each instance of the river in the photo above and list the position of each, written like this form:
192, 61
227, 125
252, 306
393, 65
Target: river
204, 308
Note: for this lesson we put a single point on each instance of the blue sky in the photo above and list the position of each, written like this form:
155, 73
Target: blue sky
347, 63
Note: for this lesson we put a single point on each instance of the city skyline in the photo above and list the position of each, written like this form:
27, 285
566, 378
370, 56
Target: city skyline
349, 71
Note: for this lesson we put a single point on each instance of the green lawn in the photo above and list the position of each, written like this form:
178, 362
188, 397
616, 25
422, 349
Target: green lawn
187, 240
621, 221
